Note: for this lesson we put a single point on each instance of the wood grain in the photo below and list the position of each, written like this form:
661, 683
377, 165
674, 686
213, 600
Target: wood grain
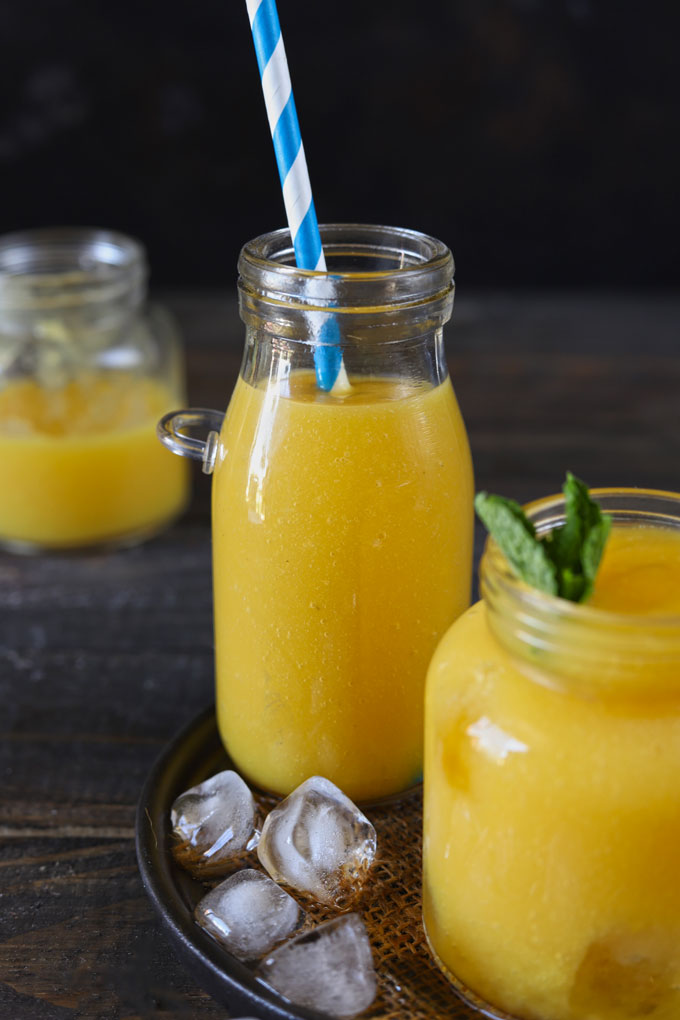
104, 657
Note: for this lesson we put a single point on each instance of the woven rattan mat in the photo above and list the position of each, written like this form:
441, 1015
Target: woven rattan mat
410, 984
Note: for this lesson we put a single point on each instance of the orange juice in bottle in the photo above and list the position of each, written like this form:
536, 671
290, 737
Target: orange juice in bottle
342, 520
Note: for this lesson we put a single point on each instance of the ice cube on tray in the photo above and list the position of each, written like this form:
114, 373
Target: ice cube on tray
318, 842
214, 822
248, 914
329, 969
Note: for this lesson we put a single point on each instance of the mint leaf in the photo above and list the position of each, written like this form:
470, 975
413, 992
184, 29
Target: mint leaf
565, 542
577, 547
570, 585
566, 561
516, 536
581, 509
593, 547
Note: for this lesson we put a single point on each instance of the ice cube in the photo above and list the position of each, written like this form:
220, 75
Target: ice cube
214, 822
329, 969
317, 841
248, 914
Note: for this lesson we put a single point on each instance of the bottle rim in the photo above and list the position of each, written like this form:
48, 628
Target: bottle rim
268, 250
401, 268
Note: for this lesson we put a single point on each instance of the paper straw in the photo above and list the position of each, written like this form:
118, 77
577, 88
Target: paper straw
292, 165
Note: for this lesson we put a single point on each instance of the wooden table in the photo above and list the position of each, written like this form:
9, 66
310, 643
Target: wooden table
104, 657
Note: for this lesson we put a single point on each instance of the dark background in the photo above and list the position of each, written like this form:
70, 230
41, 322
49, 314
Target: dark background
539, 139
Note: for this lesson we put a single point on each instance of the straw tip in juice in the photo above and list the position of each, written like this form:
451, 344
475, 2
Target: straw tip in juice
342, 385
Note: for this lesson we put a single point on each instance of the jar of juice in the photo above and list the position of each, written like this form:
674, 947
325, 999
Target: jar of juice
552, 800
342, 524
85, 371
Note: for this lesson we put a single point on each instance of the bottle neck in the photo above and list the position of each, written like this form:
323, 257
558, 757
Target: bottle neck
578, 648
418, 361
383, 301
378, 279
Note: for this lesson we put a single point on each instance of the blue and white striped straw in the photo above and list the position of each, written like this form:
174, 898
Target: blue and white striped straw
290, 159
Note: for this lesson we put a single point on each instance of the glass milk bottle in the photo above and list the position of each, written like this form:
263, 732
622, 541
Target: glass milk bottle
85, 371
342, 520
552, 804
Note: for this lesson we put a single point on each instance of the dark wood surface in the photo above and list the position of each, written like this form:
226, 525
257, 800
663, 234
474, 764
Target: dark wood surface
104, 657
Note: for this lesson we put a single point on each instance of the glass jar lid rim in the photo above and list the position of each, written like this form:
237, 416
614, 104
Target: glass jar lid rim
106, 248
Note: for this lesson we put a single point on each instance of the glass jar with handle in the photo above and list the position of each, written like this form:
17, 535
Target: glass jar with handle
341, 520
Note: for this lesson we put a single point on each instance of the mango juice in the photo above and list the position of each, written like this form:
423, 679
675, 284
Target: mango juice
552, 811
342, 542
80, 464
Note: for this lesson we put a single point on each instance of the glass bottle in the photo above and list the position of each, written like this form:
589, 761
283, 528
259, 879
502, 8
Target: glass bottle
552, 805
342, 520
85, 370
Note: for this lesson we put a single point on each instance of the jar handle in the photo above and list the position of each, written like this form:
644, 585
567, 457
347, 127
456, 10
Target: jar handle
169, 431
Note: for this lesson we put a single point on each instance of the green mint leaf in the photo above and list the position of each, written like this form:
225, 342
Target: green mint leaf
570, 585
516, 536
566, 561
580, 507
593, 548
565, 542
581, 513
579, 543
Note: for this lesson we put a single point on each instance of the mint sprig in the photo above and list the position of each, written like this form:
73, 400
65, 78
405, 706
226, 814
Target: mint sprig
566, 561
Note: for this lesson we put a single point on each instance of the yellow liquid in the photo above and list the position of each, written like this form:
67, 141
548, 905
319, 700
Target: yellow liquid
342, 537
82, 464
552, 821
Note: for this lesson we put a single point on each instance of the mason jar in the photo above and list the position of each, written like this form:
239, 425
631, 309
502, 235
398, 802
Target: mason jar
341, 517
85, 370
552, 801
